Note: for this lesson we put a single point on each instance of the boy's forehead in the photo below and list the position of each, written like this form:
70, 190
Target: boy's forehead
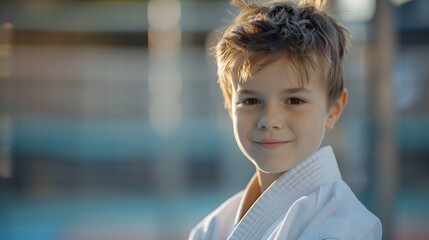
282, 71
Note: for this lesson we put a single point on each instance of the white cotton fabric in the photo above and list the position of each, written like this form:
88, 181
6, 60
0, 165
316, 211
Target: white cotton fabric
310, 201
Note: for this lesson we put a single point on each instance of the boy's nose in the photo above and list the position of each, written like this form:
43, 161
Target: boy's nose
270, 119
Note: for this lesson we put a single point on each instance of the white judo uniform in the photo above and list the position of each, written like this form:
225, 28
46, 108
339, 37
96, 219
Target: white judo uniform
310, 201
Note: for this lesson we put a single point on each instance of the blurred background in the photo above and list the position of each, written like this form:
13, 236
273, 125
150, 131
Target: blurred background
112, 124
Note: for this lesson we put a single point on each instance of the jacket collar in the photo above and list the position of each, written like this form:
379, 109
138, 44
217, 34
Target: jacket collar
320, 168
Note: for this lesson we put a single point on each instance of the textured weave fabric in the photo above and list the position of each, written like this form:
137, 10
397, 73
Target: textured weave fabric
310, 201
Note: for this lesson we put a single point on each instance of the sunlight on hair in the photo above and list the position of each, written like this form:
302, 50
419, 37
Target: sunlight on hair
260, 35
319, 4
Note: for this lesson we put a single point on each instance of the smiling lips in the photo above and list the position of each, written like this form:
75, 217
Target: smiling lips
271, 144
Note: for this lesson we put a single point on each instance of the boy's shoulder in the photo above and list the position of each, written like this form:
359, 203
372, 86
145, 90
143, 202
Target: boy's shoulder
310, 201
341, 213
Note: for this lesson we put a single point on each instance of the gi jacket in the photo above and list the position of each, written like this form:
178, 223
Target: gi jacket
310, 201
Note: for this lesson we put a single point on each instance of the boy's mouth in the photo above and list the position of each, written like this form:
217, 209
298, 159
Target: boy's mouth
271, 144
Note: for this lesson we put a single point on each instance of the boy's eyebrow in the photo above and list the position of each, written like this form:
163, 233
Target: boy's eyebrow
295, 90
286, 91
247, 92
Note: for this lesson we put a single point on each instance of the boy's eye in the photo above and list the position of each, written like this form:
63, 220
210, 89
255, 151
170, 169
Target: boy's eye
294, 101
251, 101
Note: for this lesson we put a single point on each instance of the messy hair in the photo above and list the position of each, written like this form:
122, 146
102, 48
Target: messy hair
300, 31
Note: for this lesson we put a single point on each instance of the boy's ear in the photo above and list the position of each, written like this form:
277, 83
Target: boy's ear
336, 110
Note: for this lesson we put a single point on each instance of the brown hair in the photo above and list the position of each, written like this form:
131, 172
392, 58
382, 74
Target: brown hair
263, 32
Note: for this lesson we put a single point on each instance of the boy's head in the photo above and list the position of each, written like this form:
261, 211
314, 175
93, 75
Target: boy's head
280, 70
262, 33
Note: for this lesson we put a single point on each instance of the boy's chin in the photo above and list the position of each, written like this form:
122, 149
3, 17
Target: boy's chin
273, 168
268, 171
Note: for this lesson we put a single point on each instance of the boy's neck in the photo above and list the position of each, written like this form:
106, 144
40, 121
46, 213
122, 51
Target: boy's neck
266, 179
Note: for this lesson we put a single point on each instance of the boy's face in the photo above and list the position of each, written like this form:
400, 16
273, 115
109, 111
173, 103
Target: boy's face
278, 122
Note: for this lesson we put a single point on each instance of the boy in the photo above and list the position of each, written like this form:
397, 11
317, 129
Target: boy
280, 70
